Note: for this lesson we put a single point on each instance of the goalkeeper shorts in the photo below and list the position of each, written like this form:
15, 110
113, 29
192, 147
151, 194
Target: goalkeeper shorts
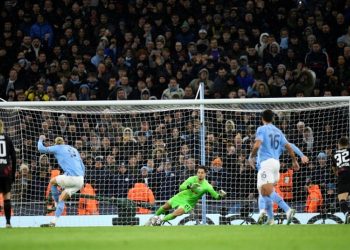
177, 202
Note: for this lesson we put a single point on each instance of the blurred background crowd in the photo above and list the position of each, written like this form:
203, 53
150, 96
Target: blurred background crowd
153, 49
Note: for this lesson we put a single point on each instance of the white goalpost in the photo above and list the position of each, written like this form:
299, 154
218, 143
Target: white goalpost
137, 153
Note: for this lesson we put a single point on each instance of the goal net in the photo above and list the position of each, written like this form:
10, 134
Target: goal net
138, 153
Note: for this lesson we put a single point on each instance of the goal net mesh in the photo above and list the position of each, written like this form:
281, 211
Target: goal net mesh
143, 153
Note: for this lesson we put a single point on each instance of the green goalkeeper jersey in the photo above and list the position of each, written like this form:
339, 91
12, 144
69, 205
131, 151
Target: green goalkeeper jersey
191, 197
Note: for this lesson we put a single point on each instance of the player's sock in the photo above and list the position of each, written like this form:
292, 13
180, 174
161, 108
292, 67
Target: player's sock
275, 197
160, 211
261, 204
344, 206
59, 209
7, 208
55, 193
269, 207
169, 217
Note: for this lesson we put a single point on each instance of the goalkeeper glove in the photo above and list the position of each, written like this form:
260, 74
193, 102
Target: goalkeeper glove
222, 193
193, 186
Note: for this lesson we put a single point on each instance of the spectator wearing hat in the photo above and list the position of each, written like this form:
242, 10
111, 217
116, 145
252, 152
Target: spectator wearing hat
243, 62
273, 55
202, 42
284, 91
84, 92
262, 45
185, 36
305, 82
98, 57
203, 77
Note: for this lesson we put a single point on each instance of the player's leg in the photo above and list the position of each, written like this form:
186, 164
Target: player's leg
265, 187
269, 211
265, 210
269, 175
173, 215
343, 193
343, 203
262, 209
71, 185
5, 190
344, 206
7, 208
163, 209
54, 190
60, 205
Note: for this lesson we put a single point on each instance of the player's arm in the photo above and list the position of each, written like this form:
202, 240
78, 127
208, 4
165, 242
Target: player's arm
304, 159
216, 195
292, 155
255, 149
252, 156
257, 143
42, 148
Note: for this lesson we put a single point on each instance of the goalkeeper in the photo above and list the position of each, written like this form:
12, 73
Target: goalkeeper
190, 192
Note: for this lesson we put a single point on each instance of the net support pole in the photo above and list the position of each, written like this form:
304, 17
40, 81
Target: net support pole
202, 147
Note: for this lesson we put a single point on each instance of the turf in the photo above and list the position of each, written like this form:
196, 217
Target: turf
181, 237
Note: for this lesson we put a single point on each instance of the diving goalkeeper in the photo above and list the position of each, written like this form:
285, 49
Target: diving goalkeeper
183, 202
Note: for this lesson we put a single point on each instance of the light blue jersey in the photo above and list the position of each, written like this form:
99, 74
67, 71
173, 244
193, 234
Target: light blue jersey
273, 143
67, 157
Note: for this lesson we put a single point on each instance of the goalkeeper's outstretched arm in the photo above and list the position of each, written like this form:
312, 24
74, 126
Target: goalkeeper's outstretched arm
216, 195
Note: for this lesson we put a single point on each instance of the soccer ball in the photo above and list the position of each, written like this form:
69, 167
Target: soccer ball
156, 221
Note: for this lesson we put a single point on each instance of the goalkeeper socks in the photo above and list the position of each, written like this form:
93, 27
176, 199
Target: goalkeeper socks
55, 193
59, 209
160, 211
344, 206
7, 208
275, 197
261, 204
268, 207
169, 217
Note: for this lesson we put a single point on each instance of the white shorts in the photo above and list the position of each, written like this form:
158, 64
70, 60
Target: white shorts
269, 172
70, 184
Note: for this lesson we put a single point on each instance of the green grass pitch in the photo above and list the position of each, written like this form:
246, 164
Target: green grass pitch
282, 237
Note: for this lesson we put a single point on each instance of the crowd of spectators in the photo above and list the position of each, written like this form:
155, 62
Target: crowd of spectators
153, 49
